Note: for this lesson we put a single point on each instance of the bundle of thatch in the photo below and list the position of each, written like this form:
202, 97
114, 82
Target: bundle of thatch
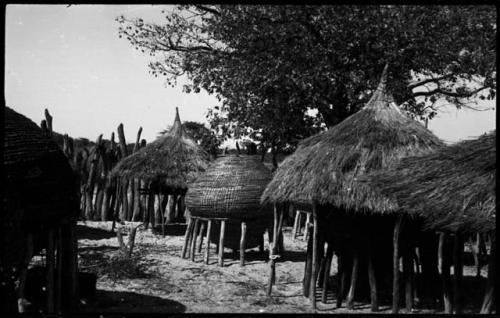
41, 197
325, 167
168, 163
452, 189
230, 189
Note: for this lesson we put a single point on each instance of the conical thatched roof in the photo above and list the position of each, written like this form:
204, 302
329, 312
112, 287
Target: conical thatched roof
453, 189
171, 161
230, 188
325, 167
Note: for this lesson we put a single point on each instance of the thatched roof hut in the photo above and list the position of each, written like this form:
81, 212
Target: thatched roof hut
325, 167
169, 162
41, 197
453, 189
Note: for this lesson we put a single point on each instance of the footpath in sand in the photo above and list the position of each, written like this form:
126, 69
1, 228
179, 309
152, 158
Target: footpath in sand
167, 283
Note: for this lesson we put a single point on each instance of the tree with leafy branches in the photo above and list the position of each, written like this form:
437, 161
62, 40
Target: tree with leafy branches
284, 72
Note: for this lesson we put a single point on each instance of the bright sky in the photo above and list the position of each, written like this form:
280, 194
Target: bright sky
71, 61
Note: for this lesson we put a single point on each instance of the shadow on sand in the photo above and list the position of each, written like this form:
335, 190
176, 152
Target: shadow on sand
118, 301
172, 229
91, 233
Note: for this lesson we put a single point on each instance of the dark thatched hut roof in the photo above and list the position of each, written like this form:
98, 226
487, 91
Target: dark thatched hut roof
230, 188
36, 172
40, 189
452, 189
171, 161
325, 167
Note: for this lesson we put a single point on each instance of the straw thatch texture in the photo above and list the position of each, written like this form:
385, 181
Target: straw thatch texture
40, 189
452, 189
171, 161
325, 167
37, 174
230, 188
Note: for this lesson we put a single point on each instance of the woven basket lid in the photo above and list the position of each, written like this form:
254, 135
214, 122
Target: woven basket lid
230, 188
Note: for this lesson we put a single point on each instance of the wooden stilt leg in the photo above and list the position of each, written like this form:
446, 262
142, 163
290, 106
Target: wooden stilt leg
295, 224
489, 296
354, 278
50, 272
162, 212
308, 266
207, 247
457, 272
372, 280
395, 282
202, 229
242, 243
299, 225
314, 258
306, 228
326, 272
189, 229
445, 273
340, 275
221, 242
261, 244
192, 251
408, 273
21, 303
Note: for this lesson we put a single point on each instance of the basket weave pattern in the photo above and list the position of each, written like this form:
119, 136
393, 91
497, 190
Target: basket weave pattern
230, 188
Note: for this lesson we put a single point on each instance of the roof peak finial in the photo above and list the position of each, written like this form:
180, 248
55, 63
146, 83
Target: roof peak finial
176, 129
383, 79
177, 118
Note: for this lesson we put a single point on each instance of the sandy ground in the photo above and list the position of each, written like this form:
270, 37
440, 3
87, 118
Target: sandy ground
169, 283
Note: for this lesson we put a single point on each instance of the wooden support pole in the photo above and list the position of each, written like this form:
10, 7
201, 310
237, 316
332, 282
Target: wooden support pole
162, 215
202, 229
28, 254
295, 224
192, 252
408, 273
395, 281
444, 255
314, 257
207, 247
340, 278
299, 224
308, 220
278, 218
326, 271
489, 300
186, 237
221, 242
372, 278
354, 279
458, 248
308, 266
50, 271
242, 243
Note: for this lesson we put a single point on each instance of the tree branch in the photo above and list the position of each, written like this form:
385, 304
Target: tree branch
207, 9
430, 80
448, 93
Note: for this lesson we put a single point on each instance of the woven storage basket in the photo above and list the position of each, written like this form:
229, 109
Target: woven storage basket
230, 188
